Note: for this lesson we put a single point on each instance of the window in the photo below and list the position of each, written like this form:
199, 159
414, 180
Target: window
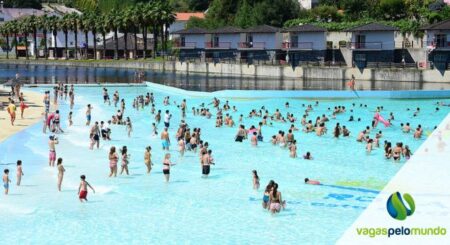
183, 41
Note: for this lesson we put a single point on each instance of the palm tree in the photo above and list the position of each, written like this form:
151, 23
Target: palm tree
65, 26
135, 20
74, 20
167, 18
25, 28
147, 18
33, 25
114, 25
126, 23
5, 31
43, 24
53, 22
14, 29
90, 23
103, 27
82, 27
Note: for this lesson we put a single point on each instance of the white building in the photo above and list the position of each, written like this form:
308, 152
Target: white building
308, 4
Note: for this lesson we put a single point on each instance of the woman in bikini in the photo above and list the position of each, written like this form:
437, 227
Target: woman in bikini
148, 159
113, 159
276, 202
61, 171
125, 160
166, 166
266, 196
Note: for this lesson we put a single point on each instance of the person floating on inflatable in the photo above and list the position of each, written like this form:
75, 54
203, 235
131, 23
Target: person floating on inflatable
378, 118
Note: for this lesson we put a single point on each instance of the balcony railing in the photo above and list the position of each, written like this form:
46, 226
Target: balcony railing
218, 45
366, 45
185, 45
252, 45
297, 45
438, 45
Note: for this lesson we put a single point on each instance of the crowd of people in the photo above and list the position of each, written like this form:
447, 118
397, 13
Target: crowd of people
190, 139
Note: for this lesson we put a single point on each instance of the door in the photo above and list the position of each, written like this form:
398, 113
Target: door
215, 42
441, 40
360, 41
183, 42
294, 41
249, 41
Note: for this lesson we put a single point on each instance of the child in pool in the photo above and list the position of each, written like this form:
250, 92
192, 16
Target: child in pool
82, 189
6, 181
254, 139
255, 180
19, 172
307, 156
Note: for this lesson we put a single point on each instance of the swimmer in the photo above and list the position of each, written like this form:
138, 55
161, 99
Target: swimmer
113, 159
308, 156
293, 149
70, 119
166, 166
6, 181
276, 201
311, 182
125, 160
52, 150
369, 146
255, 180
83, 189
165, 140
148, 159
205, 162
88, 114
254, 139
19, 172
129, 126
181, 146
154, 129
12, 111
61, 171
266, 196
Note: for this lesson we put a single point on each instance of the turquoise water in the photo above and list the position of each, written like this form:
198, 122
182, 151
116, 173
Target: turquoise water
220, 209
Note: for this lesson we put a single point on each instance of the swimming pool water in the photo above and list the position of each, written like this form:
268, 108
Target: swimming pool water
222, 209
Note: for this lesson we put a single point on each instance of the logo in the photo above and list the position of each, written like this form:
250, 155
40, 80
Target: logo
397, 208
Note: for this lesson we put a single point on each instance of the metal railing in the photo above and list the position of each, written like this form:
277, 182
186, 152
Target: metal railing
297, 45
218, 45
365, 45
185, 45
252, 45
438, 45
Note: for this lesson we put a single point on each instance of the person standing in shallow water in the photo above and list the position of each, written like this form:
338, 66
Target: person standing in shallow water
166, 166
61, 171
148, 159
19, 172
88, 115
83, 189
165, 141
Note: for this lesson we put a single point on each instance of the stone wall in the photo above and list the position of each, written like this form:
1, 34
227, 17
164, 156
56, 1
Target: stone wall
279, 72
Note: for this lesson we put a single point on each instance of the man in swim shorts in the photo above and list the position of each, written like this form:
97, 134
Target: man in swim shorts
165, 139
82, 189
6, 181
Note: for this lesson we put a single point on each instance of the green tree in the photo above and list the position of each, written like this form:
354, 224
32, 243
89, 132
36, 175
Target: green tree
115, 22
5, 32
198, 5
355, 9
25, 27
392, 9
65, 27
244, 16
54, 27
44, 25
326, 13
